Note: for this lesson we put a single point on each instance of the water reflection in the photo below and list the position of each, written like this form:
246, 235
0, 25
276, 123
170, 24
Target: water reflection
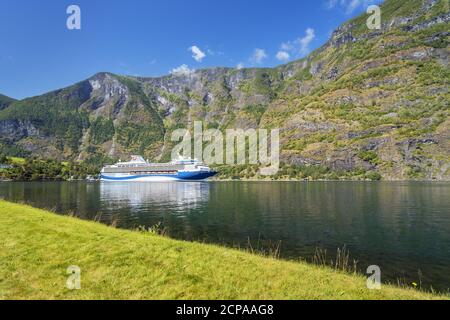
179, 198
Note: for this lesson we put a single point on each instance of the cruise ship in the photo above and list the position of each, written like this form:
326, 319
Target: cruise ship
140, 170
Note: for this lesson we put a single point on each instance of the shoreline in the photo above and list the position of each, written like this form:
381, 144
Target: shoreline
240, 180
124, 264
320, 180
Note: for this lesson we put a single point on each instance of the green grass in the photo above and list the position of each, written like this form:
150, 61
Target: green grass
16, 160
36, 247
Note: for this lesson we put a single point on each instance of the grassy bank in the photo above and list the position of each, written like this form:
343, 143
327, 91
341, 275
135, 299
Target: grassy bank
36, 247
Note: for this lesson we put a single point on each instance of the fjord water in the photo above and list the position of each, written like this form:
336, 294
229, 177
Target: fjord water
403, 227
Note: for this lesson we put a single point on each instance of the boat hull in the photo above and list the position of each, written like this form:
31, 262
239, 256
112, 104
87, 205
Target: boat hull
180, 176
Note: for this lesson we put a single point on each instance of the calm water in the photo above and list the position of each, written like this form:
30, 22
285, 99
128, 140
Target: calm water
402, 227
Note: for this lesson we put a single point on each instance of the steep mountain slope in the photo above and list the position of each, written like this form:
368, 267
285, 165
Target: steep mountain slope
374, 100
367, 101
84, 119
5, 101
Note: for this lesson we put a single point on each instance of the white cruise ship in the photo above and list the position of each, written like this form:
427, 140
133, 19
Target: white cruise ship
141, 171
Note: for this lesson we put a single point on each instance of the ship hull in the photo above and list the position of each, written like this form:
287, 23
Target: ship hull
180, 176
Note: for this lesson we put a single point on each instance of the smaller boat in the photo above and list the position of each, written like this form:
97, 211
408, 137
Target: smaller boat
140, 170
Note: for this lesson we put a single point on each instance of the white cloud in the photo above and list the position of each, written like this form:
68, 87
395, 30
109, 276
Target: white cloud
182, 70
306, 40
259, 55
283, 56
349, 6
240, 66
298, 47
197, 54
287, 46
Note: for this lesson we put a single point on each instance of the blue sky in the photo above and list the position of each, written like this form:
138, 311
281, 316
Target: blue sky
150, 38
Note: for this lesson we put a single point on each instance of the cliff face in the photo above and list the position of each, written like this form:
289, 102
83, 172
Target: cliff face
365, 101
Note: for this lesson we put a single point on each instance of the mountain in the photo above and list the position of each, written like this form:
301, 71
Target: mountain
368, 101
5, 101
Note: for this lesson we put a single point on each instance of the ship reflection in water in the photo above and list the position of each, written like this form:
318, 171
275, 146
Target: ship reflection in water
178, 199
